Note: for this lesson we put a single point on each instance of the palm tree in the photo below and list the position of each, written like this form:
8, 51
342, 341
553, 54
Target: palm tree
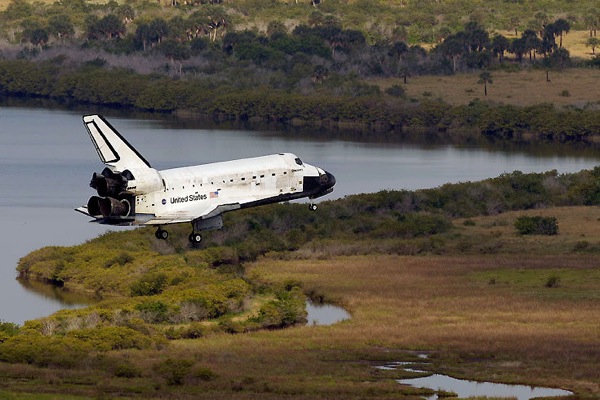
518, 47
453, 47
592, 20
514, 23
561, 26
532, 42
484, 78
593, 42
499, 45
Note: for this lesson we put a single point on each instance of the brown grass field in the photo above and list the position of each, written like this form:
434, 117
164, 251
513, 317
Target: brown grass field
514, 330
578, 87
570, 87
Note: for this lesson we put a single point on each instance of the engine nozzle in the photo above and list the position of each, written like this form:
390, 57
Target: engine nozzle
108, 186
108, 207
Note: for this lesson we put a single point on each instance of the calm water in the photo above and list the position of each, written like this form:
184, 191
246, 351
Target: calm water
467, 389
47, 159
325, 314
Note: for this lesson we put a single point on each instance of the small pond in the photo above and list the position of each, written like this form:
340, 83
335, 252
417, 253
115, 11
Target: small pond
325, 314
467, 388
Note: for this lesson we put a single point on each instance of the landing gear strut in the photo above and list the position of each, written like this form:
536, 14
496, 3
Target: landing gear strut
161, 234
195, 237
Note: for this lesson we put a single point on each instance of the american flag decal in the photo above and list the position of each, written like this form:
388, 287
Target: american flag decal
214, 195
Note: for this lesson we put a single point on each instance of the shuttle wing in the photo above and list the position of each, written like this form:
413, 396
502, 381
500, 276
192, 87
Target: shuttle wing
190, 215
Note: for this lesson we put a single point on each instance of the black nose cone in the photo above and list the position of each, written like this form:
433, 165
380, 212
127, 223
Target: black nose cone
317, 186
329, 180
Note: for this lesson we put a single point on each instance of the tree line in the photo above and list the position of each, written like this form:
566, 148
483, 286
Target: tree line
372, 112
210, 38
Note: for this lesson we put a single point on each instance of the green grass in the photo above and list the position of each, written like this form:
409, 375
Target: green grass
573, 284
4, 395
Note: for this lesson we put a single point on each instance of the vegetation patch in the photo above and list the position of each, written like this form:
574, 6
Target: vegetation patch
536, 225
579, 284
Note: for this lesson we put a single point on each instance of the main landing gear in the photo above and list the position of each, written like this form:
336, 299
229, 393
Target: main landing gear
161, 234
312, 207
195, 238
164, 235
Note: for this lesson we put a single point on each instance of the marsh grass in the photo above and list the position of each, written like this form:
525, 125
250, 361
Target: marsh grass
441, 303
434, 303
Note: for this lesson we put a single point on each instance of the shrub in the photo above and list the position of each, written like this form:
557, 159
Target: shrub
288, 309
112, 338
37, 349
153, 311
8, 329
395, 91
536, 225
124, 369
553, 282
193, 331
122, 259
413, 225
173, 371
205, 374
149, 285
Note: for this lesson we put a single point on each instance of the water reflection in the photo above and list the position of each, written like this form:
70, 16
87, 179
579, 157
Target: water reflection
66, 298
465, 388
325, 314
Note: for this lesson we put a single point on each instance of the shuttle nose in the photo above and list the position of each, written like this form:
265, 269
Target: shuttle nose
327, 180
326, 183
317, 186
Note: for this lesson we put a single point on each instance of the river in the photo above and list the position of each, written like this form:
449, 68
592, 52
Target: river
47, 159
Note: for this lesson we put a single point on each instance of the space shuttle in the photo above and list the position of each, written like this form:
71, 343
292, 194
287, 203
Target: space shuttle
131, 192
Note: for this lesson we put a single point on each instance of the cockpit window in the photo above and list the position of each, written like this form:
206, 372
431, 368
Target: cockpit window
298, 161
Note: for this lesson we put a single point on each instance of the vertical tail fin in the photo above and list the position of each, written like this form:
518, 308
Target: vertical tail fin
112, 148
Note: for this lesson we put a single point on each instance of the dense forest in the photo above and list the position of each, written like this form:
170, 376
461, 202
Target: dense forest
290, 46
311, 61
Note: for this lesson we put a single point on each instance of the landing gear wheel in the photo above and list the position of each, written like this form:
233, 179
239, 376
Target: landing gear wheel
312, 207
161, 234
195, 237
